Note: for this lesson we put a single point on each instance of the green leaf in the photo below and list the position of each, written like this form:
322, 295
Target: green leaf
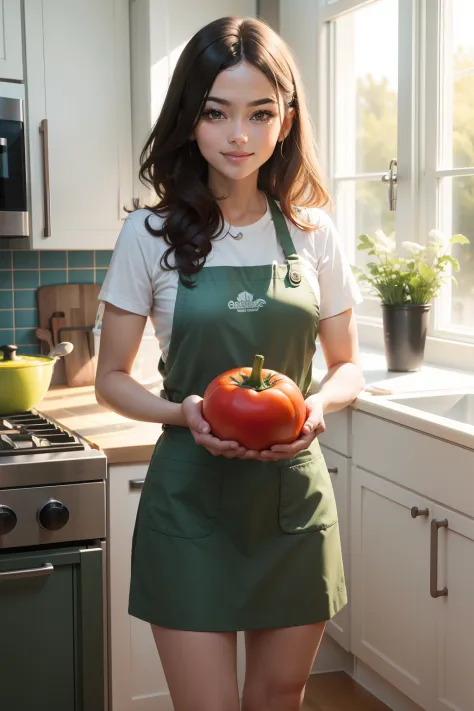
364, 242
454, 262
426, 272
459, 239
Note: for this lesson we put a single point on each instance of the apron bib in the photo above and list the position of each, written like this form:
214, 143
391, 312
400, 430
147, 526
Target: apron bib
225, 544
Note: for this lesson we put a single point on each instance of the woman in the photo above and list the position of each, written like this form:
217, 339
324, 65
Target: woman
228, 539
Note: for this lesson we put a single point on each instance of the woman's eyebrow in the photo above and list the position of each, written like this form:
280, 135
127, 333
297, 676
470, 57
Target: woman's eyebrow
257, 102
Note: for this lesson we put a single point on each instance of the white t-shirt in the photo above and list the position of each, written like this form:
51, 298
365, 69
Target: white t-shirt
136, 282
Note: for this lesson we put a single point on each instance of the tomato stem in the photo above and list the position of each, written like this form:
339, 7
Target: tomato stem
255, 378
255, 381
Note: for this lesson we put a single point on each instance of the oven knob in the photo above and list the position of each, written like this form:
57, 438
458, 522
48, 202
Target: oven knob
8, 520
53, 515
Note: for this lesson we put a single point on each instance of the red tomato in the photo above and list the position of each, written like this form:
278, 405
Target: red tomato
255, 407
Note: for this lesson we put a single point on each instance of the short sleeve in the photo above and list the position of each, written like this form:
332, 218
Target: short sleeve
338, 286
128, 283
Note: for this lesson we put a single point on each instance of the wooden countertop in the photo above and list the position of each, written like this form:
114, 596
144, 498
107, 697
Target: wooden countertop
122, 440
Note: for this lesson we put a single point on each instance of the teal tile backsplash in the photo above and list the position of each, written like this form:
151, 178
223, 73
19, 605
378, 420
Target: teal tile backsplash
21, 273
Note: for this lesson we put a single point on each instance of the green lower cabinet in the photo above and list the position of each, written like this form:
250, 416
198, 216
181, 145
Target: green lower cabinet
51, 637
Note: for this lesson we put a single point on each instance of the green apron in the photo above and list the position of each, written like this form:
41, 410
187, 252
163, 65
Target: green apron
229, 544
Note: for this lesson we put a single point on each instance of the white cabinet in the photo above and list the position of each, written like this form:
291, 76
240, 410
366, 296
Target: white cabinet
137, 681
453, 630
391, 604
421, 643
338, 466
78, 93
11, 57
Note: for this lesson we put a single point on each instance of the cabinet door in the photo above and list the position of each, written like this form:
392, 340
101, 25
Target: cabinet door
77, 60
137, 678
453, 633
391, 612
338, 466
11, 59
51, 618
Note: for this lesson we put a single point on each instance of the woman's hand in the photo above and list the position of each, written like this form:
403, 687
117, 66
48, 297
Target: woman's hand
313, 426
192, 412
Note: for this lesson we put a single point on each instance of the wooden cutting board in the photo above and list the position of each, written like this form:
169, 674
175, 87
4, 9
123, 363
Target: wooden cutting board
79, 304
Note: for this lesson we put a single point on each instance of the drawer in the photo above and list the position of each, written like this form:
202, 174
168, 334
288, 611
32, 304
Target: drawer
434, 468
338, 431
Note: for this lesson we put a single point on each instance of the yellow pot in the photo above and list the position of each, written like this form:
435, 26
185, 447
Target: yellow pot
24, 380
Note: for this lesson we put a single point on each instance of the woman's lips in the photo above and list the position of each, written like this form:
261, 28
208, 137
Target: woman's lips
237, 158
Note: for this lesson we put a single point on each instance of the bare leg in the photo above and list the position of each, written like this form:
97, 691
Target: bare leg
200, 668
279, 662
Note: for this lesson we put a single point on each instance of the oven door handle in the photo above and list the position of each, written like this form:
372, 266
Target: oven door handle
45, 569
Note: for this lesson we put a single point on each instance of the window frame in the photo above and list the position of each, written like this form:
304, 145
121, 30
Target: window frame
419, 91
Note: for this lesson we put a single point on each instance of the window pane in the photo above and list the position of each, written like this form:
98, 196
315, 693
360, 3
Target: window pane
362, 206
459, 85
366, 92
462, 301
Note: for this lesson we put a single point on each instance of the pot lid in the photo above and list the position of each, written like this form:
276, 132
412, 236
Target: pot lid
10, 360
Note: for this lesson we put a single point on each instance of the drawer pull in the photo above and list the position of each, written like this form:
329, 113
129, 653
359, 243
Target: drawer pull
333, 470
415, 511
136, 484
45, 569
435, 525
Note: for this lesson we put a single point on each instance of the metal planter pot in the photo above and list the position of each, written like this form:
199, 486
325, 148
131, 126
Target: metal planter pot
405, 328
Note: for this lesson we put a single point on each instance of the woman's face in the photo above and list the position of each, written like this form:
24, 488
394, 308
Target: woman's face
241, 123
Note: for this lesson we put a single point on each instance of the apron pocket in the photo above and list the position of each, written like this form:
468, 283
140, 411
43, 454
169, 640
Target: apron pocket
182, 498
307, 500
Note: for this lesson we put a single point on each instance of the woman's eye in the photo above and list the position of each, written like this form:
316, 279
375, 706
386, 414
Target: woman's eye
262, 116
212, 114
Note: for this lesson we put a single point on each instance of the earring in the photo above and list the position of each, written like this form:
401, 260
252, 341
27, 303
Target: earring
281, 148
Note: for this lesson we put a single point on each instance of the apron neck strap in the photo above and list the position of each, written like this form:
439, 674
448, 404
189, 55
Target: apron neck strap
282, 231
283, 234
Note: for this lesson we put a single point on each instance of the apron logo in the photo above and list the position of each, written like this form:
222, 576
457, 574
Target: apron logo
245, 302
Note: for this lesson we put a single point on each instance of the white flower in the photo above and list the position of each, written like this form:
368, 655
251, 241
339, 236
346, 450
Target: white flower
413, 247
387, 242
439, 237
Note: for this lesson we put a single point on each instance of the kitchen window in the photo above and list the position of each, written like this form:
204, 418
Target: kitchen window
397, 83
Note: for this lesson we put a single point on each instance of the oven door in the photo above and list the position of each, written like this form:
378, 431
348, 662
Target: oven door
52, 630
13, 205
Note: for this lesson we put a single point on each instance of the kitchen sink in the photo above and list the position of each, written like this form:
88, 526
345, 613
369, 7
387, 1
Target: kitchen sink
453, 406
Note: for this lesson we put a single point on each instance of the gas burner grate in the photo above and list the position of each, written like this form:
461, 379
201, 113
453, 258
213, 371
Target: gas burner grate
30, 433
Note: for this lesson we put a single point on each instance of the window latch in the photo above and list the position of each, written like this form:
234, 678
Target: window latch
391, 179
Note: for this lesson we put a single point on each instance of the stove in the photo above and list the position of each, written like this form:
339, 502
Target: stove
52, 483
52, 566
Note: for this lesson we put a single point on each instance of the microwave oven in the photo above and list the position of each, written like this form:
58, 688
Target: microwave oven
13, 197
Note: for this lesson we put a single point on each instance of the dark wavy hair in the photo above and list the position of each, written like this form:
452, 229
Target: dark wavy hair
173, 165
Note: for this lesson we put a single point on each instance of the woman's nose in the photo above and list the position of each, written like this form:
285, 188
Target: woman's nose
237, 134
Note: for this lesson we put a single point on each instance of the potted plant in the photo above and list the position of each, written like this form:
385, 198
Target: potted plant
406, 286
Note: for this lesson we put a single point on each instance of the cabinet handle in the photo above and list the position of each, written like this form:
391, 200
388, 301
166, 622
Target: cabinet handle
47, 192
45, 569
333, 470
415, 511
136, 484
435, 525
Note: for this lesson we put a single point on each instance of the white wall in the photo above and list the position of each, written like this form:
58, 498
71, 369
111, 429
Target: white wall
299, 28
